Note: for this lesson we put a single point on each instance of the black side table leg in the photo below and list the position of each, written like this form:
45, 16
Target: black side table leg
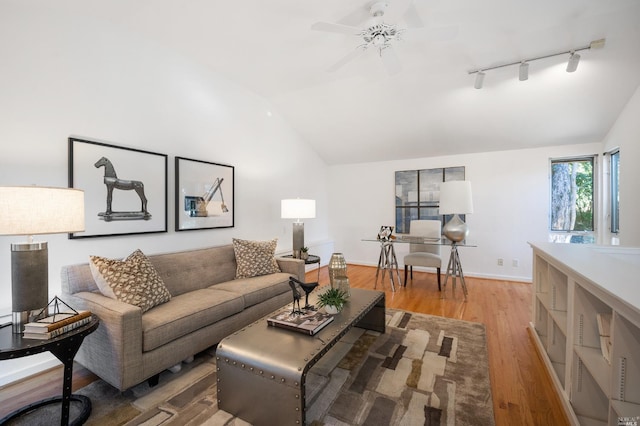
65, 352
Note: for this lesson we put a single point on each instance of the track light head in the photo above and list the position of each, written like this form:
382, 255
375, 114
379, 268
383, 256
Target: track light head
574, 59
479, 80
524, 71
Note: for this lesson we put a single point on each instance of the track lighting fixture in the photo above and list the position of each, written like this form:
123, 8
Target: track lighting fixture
572, 65
523, 74
524, 71
479, 80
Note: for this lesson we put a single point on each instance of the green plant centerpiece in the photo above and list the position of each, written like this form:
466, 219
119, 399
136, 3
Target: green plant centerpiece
304, 253
333, 300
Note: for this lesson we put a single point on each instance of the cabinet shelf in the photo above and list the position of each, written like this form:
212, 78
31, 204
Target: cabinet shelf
624, 357
625, 409
558, 287
544, 299
587, 397
597, 366
586, 421
582, 300
560, 318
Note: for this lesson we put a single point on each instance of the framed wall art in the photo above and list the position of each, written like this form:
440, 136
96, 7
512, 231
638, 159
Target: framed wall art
204, 195
125, 189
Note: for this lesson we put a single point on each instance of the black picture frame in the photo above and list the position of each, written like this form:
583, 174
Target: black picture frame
139, 188
204, 195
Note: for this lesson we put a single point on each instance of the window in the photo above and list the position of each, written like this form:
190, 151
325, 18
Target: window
426, 183
614, 170
572, 183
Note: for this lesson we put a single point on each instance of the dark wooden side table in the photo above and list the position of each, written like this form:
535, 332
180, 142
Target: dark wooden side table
309, 261
64, 347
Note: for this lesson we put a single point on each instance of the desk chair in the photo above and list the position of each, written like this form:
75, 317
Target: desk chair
423, 254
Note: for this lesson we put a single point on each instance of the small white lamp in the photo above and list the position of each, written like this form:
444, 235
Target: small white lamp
455, 199
31, 210
298, 209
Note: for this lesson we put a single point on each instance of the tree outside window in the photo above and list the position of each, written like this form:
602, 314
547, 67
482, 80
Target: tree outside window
572, 195
615, 191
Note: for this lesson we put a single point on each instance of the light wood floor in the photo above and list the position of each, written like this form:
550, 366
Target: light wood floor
521, 388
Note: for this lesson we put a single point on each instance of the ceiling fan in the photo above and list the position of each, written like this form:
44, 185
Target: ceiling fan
377, 34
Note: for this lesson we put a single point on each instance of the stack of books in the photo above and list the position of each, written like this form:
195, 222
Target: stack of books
55, 325
309, 322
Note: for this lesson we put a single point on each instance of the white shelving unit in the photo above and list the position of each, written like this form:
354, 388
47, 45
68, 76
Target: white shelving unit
574, 285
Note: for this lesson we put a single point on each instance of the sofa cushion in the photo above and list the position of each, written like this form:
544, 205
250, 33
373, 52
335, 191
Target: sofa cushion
189, 270
258, 289
255, 258
133, 280
186, 313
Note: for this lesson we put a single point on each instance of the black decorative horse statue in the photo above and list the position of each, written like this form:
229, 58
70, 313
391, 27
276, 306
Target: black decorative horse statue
112, 182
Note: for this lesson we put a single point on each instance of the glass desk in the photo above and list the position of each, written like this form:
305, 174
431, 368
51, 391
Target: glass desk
388, 260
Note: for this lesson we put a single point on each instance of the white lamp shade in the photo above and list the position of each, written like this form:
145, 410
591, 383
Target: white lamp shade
455, 197
297, 208
31, 210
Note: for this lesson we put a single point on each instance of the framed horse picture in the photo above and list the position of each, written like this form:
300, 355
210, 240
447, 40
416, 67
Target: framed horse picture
204, 195
125, 189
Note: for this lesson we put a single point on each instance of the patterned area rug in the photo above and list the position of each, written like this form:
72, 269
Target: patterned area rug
425, 370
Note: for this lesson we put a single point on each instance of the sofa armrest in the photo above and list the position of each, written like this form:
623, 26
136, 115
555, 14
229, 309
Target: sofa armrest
114, 351
292, 266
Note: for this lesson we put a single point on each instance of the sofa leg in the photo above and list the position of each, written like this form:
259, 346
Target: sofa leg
405, 275
153, 380
438, 272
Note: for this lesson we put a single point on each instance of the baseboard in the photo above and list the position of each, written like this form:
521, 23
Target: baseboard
499, 277
22, 368
557, 384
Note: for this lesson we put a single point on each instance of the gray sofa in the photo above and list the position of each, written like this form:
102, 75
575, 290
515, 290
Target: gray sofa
207, 304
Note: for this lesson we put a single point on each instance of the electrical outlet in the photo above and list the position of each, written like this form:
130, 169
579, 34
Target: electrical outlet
515, 263
500, 262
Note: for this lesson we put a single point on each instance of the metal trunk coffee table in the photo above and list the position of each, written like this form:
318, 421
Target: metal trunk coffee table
262, 369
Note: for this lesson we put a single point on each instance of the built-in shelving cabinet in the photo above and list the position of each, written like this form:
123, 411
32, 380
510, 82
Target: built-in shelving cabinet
586, 326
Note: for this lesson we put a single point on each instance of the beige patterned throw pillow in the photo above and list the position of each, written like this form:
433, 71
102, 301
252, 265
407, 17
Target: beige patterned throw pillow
255, 258
133, 280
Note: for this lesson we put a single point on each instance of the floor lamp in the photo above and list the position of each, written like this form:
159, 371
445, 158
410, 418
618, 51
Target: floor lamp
298, 209
31, 210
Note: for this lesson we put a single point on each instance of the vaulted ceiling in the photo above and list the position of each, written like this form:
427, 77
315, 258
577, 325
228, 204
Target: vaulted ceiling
361, 113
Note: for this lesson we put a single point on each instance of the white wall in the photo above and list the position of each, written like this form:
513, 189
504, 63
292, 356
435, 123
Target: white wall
63, 76
625, 134
510, 194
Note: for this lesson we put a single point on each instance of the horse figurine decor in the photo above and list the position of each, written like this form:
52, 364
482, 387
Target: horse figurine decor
112, 182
